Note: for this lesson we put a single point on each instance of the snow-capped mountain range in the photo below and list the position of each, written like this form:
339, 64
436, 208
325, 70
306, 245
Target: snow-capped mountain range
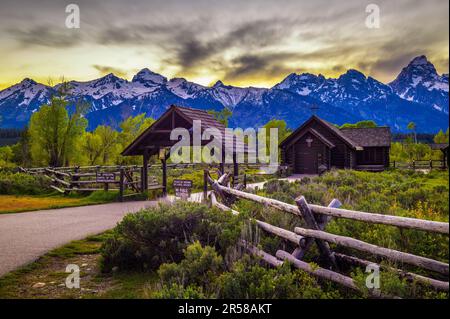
418, 94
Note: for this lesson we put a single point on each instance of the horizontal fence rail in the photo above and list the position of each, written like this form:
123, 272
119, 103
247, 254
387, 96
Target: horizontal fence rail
419, 164
403, 222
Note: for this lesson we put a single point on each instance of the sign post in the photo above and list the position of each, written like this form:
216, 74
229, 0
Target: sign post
102, 177
182, 188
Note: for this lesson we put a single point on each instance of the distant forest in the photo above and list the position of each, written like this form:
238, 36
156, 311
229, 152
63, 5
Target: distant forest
421, 138
10, 136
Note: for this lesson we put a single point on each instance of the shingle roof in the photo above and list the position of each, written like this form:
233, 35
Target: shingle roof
369, 137
330, 126
207, 121
356, 138
338, 132
439, 146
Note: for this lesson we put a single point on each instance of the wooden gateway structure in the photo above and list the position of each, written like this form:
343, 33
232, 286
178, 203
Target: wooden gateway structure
318, 145
443, 147
156, 139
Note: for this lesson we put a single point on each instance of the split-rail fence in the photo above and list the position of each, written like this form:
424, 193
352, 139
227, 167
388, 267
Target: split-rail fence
314, 219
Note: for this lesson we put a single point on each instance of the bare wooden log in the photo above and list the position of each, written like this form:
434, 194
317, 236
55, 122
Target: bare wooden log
221, 206
399, 256
83, 174
318, 272
437, 284
262, 200
95, 182
90, 189
271, 260
223, 180
61, 181
57, 189
215, 185
56, 172
300, 252
404, 222
311, 223
280, 232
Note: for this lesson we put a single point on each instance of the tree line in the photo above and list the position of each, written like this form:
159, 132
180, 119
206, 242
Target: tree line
57, 137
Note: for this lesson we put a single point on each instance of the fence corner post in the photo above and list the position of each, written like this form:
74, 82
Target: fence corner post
205, 185
121, 184
311, 223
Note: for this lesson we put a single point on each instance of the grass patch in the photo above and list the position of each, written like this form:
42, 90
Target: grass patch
26, 203
50, 270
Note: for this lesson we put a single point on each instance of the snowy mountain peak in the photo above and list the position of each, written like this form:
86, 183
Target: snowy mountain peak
420, 60
420, 82
418, 94
108, 79
183, 88
353, 74
28, 82
145, 75
218, 84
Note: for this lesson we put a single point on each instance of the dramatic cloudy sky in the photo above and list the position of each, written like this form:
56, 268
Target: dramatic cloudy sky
251, 42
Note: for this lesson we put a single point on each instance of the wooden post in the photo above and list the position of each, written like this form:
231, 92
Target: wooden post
164, 175
394, 164
431, 164
144, 176
205, 185
222, 161
414, 164
245, 181
323, 220
121, 184
311, 223
235, 169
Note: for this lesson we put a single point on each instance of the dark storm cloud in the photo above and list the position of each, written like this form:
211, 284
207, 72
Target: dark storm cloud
137, 34
204, 39
250, 65
47, 36
190, 50
104, 69
187, 45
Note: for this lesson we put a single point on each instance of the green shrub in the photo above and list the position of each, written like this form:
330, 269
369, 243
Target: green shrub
177, 291
248, 280
23, 184
157, 235
201, 274
199, 267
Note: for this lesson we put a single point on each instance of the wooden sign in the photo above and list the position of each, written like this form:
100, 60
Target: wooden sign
102, 177
182, 188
